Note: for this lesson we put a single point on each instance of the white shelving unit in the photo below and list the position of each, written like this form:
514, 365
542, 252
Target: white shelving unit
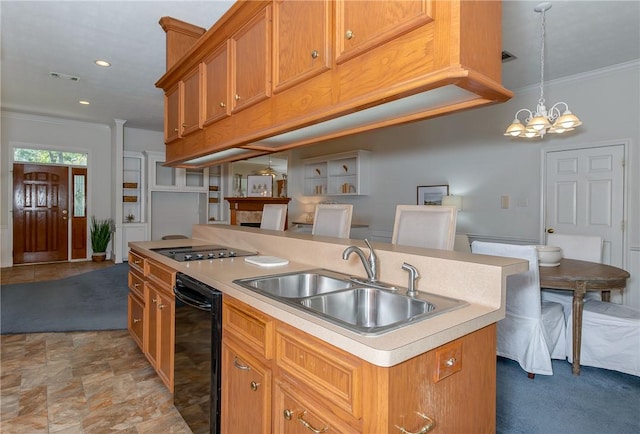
134, 203
344, 174
217, 211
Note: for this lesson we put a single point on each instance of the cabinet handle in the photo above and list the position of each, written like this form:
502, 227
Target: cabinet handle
184, 125
349, 34
452, 361
136, 285
175, 130
315, 54
161, 306
308, 426
154, 300
237, 97
288, 414
137, 262
254, 386
237, 364
136, 320
430, 424
223, 105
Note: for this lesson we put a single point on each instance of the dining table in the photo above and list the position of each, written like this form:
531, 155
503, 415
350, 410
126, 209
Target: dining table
581, 277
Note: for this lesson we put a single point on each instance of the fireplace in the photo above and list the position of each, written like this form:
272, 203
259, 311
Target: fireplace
248, 210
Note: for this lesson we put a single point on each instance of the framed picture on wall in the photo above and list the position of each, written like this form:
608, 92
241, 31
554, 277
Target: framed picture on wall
432, 194
259, 185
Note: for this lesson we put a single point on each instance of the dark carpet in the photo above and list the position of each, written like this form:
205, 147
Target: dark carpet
597, 401
96, 300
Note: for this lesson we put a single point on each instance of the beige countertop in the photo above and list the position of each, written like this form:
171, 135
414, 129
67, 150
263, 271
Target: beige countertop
477, 279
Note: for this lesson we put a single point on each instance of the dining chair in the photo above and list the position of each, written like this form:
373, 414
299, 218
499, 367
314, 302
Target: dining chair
610, 337
430, 226
332, 220
274, 216
582, 248
532, 332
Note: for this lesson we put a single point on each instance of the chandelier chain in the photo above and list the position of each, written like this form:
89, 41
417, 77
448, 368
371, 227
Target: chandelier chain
542, 37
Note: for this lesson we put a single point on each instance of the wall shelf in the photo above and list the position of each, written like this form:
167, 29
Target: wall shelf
344, 174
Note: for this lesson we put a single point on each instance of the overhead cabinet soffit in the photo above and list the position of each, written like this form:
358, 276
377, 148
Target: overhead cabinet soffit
271, 76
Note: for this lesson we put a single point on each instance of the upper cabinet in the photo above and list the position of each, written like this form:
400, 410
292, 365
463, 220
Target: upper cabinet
190, 99
251, 61
363, 25
298, 59
279, 74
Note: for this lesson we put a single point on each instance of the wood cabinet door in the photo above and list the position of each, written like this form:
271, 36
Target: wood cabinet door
136, 319
295, 415
216, 85
297, 57
166, 338
363, 25
251, 64
190, 100
172, 114
246, 392
151, 338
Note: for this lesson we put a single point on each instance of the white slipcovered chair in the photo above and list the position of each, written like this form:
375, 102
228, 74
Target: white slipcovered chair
582, 248
461, 243
532, 332
274, 217
610, 337
430, 226
332, 220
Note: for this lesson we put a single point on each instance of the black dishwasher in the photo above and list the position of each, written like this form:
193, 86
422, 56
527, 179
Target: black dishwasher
198, 337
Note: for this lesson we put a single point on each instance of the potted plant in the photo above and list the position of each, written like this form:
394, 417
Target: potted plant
101, 231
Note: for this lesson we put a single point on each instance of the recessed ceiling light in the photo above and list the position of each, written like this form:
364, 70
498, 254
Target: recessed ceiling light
83, 102
102, 63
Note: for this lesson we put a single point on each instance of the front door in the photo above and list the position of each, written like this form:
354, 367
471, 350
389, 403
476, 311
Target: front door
585, 196
40, 213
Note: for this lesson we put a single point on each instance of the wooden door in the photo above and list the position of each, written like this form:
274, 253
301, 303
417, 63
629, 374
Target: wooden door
251, 68
298, 59
191, 98
40, 213
216, 85
585, 196
172, 114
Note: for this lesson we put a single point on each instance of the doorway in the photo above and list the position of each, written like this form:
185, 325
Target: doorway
41, 217
584, 194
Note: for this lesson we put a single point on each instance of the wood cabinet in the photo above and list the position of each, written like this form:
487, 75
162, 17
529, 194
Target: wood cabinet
298, 59
362, 25
190, 102
151, 314
216, 84
172, 114
415, 60
251, 61
319, 387
344, 174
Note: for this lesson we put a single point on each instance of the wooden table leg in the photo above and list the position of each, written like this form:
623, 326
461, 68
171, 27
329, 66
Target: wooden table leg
578, 304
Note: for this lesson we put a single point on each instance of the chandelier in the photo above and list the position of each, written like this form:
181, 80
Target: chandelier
543, 121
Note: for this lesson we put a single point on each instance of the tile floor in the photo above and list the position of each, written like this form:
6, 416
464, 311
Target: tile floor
80, 382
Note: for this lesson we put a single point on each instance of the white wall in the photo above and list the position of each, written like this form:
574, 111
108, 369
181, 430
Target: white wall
468, 151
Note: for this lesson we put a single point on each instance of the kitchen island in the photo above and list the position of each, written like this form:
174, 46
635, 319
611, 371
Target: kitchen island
310, 371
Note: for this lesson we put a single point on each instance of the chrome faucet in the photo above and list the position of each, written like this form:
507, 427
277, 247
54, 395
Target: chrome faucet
370, 264
413, 279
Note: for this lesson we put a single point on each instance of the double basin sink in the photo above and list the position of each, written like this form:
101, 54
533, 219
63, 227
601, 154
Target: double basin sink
363, 308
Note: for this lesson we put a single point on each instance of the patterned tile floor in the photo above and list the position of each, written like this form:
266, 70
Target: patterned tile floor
79, 382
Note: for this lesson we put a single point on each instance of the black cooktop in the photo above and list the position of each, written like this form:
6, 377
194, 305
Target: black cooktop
201, 253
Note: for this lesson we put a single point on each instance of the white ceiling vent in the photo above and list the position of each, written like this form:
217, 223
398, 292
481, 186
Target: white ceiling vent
64, 76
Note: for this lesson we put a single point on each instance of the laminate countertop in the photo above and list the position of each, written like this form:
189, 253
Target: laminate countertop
477, 279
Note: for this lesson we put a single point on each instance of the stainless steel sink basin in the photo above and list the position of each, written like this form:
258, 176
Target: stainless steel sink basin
336, 298
373, 310
298, 285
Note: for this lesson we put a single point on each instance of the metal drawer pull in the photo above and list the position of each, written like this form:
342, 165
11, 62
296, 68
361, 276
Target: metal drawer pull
239, 365
288, 414
349, 34
254, 386
315, 54
223, 105
452, 361
430, 424
136, 320
162, 306
308, 426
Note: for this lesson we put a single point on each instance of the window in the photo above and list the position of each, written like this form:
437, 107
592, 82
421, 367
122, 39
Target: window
45, 156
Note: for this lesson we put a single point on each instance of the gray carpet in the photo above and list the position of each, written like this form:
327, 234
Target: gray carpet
96, 300
597, 401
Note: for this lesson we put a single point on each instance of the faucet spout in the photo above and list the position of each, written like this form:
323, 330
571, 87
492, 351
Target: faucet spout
370, 264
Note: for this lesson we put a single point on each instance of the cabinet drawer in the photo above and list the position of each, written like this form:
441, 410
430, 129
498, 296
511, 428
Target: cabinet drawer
327, 371
136, 284
136, 319
248, 326
295, 414
163, 277
136, 262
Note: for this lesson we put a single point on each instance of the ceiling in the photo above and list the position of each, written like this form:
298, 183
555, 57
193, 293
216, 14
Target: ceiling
40, 37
